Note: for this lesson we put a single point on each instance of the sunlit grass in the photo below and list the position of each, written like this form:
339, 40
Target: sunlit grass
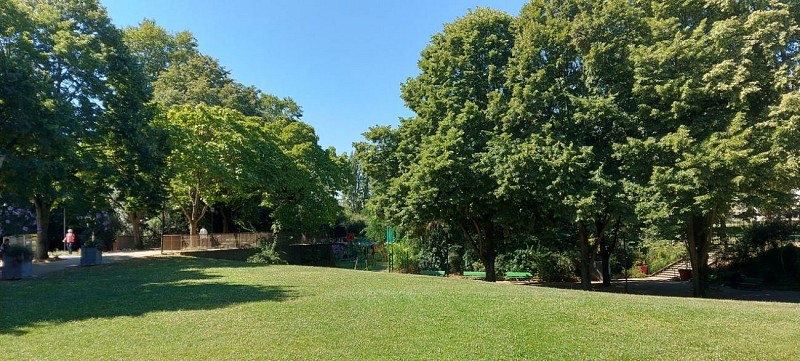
201, 309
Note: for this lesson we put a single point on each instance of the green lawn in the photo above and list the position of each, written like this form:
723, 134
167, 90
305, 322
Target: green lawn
204, 309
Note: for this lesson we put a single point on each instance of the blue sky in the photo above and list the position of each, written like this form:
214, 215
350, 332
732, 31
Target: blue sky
341, 61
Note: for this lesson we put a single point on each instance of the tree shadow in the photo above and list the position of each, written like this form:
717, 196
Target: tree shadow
132, 288
674, 288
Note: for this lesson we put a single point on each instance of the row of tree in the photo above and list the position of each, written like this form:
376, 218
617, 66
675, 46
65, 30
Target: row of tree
656, 115
139, 120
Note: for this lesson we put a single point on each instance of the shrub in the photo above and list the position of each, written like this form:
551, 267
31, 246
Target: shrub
267, 253
404, 258
519, 260
761, 237
471, 261
555, 266
455, 259
19, 252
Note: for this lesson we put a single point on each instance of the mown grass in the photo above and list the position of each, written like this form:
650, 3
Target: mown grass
203, 309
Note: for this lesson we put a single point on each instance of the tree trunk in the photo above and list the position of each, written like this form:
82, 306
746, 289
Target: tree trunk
586, 259
42, 223
135, 218
698, 241
484, 245
226, 219
601, 224
489, 254
605, 256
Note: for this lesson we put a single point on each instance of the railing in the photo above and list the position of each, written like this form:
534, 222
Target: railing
184, 242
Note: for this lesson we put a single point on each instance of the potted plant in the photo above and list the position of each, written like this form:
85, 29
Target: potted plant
17, 262
91, 253
684, 274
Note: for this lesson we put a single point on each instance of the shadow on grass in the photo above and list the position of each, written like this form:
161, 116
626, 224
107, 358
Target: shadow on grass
132, 288
672, 288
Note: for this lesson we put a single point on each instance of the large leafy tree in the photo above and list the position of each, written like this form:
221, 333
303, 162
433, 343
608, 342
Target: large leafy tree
83, 86
156, 49
310, 178
716, 86
215, 151
356, 192
570, 82
434, 170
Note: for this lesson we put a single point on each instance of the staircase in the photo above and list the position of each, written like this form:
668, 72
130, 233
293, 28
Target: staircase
671, 271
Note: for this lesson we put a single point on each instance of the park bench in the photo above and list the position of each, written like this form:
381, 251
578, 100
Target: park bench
433, 273
474, 274
517, 276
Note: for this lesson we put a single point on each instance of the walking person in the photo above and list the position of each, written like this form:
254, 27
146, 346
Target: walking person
69, 240
4, 249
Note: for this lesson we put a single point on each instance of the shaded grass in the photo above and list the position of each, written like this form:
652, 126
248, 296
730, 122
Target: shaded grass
186, 308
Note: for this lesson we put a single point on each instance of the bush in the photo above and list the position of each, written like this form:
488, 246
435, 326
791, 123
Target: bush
433, 258
555, 266
520, 260
267, 253
761, 237
455, 259
19, 252
404, 258
471, 261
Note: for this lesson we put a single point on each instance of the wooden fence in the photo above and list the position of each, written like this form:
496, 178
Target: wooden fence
185, 242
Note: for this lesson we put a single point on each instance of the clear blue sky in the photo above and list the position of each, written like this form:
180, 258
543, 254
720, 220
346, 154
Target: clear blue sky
341, 61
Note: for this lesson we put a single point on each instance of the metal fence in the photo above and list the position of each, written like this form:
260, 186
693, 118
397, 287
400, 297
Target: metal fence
185, 242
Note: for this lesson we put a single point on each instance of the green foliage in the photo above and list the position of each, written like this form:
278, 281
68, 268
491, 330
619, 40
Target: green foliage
554, 266
405, 257
518, 260
304, 198
79, 97
763, 236
455, 259
267, 253
430, 169
660, 254
19, 252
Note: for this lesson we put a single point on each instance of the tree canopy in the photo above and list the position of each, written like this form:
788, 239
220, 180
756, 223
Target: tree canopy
612, 114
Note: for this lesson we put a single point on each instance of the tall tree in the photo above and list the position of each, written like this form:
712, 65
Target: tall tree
81, 71
356, 191
439, 172
570, 81
156, 49
716, 86
216, 152
305, 198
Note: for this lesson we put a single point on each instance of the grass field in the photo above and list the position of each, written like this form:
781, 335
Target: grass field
184, 308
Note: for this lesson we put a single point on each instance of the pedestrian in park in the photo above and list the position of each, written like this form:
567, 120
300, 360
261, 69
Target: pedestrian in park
69, 240
4, 248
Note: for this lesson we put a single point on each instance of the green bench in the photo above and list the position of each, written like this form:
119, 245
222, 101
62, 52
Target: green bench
518, 276
433, 273
474, 274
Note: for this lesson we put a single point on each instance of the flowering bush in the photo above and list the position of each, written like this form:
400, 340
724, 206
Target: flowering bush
15, 221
